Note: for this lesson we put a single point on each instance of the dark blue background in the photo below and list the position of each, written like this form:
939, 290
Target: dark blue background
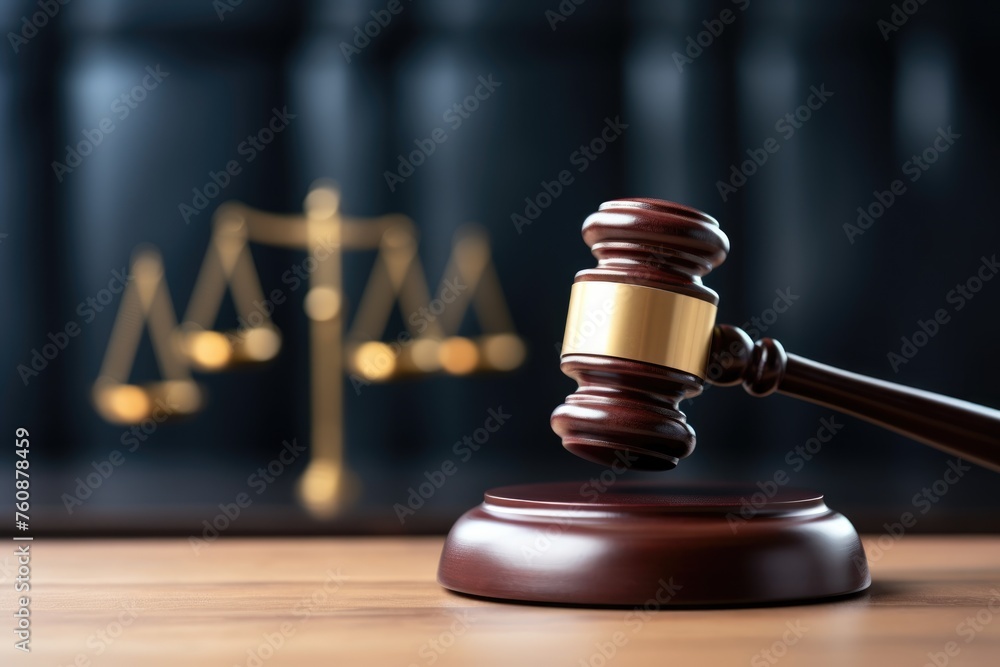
607, 59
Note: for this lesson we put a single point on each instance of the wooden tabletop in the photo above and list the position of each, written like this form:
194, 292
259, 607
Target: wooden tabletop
348, 601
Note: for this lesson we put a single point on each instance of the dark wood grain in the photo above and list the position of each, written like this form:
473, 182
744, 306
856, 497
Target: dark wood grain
958, 427
654, 243
628, 406
626, 543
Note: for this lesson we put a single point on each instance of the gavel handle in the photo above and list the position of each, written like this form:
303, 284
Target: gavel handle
964, 429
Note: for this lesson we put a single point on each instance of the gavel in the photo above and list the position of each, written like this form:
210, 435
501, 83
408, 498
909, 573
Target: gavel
641, 337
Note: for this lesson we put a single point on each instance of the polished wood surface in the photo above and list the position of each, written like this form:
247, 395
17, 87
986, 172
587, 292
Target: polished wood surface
625, 405
213, 607
567, 543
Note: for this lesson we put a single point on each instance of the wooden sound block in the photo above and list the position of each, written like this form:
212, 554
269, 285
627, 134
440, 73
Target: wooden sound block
637, 543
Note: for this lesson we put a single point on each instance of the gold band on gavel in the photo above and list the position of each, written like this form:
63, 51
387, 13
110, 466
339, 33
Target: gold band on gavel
640, 323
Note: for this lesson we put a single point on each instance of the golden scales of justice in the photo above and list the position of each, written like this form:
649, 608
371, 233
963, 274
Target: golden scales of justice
324, 233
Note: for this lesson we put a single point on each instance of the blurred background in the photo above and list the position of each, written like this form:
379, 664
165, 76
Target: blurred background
789, 122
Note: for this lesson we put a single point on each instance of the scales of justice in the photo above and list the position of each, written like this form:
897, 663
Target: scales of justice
325, 234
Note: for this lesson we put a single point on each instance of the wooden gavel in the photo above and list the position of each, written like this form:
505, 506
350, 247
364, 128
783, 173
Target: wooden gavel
641, 337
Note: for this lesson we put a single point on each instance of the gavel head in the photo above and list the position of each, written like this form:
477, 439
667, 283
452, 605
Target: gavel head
638, 333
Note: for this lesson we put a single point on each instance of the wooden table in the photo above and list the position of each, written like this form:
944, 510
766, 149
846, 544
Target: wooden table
345, 601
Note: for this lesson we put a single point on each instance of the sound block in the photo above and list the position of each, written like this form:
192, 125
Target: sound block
636, 544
